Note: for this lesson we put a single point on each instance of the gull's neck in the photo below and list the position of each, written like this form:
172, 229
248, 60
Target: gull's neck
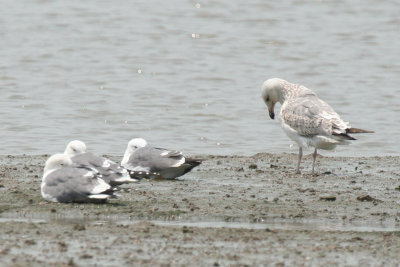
127, 154
289, 90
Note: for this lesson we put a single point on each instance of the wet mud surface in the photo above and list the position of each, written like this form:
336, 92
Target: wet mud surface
233, 210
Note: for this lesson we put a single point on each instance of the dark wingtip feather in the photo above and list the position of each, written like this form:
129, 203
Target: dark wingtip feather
138, 175
194, 162
344, 136
191, 163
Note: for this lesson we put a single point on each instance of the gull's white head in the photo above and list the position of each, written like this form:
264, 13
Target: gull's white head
136, 143
75, 147
271, 92
56, 162
133, 145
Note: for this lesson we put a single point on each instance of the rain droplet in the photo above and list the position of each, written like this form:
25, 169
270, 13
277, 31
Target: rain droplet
218, 143
139, 71
197, 5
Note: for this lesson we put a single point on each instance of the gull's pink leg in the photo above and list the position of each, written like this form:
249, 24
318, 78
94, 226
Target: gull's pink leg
314, 158
298, 163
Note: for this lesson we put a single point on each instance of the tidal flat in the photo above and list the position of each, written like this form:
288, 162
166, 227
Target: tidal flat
230, 211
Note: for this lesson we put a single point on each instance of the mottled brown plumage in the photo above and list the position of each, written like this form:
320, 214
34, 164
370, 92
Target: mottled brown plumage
305, 118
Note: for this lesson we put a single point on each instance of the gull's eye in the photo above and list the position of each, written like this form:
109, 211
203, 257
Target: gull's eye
267, 98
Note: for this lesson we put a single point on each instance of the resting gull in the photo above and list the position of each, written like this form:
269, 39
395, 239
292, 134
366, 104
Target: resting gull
156, 162
112, 173
306, 119
63, 182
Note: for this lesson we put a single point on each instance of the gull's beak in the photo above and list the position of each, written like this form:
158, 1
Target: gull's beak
271, 111
271, 115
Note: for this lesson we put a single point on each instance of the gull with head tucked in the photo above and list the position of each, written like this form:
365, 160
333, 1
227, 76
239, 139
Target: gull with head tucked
150, 162
112, 173
63, 182
305, 118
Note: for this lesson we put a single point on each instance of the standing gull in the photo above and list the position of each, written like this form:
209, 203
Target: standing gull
156, 162
63, 182
112, 173
306, 119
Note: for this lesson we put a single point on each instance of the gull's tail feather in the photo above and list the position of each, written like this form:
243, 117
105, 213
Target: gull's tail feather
100, 196
357, 130
346, 136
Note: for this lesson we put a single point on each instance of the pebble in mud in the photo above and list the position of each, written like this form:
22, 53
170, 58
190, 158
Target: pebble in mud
327, 198
79, 227
367, 198
62, 246
253, 166
86, 256
186, 230
30, 242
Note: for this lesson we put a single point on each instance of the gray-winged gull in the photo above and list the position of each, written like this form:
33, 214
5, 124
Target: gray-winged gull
63, 182
156, 162
112, 173
306, 119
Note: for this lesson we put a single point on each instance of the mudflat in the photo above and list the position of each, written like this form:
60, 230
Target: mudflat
231, 210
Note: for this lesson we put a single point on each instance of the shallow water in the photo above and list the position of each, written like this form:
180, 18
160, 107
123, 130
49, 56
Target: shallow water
273, 224
187, 75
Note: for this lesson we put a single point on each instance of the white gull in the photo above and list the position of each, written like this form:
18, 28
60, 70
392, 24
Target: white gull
305, 118
63, 182
160, 163
112, 173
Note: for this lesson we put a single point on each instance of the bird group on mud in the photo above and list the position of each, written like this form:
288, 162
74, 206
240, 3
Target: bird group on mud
80, 176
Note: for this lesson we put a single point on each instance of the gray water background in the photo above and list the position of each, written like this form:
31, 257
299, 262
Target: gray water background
187, 74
